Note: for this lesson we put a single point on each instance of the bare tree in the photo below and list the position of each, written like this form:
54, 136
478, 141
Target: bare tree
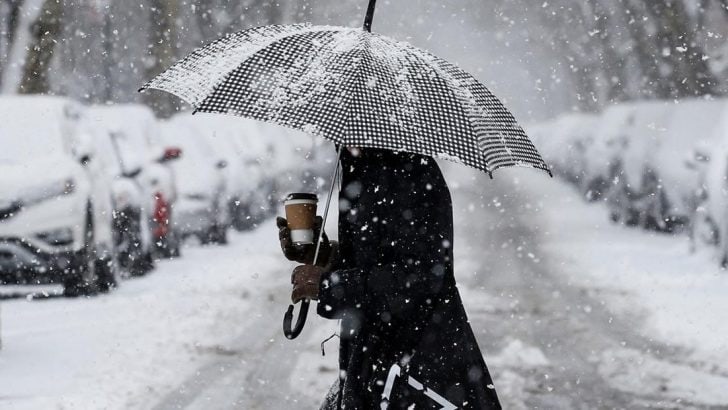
687, 73
162, 50
45, 32
9, 20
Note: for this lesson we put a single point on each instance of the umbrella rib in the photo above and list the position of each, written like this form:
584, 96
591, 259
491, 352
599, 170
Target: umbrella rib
358, 72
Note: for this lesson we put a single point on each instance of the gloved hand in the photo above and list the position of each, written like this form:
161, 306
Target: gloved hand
305, 280
304, 253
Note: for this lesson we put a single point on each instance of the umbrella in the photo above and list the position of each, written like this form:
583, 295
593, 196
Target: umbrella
355, 88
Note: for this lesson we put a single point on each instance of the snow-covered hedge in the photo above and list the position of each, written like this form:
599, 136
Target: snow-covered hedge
658, 165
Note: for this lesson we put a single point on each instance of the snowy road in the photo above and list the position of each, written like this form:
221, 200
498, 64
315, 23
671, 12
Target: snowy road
205, 331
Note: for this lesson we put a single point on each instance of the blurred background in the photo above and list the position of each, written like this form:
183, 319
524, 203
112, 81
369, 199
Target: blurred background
601, 288
543, 58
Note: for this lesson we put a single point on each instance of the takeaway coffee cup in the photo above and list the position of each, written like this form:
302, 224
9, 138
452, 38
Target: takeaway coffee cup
301, 216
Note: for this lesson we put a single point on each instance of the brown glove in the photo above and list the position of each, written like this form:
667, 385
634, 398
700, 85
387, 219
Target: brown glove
305, 280
304, 253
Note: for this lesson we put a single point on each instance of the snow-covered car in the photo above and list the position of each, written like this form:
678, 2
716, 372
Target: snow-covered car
145, 188
201, 208
132, 234
638, 186
681, 155
713, 181
607, 143
292, 161
564, 142
55, 199
222, 134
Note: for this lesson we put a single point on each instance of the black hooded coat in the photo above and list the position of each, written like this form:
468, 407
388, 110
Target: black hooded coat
405, 337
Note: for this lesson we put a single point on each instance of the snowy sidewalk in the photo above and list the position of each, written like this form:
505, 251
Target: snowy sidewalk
124, 349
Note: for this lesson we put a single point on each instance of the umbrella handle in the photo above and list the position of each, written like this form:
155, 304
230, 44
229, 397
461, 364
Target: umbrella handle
292, 333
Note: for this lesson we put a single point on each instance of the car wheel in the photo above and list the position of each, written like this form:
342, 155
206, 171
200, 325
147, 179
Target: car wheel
215, 234
221, 235
108, 274
173, 246
139, 261
80, 279
142, 264
168, 247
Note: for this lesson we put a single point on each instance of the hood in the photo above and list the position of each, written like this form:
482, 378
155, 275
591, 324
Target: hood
15, 178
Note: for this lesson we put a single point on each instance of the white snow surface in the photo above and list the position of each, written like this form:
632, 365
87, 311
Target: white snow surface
681, 295
130, 347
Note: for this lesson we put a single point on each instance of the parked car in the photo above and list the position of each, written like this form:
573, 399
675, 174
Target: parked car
161, 180
681, 155
201, 209
714, 182
132, 218
221, 134
279, 160
567, 150
143, 168
55, 198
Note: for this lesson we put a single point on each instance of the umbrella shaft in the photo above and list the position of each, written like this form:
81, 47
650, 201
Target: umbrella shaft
328, 202
370, 15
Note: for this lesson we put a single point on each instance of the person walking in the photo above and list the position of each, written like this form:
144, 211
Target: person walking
404, 335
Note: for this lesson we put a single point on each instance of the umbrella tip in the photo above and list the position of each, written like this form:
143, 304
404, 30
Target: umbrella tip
490, 174
141, 89
370, 16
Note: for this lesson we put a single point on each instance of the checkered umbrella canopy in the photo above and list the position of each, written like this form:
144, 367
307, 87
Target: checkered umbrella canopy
355, 88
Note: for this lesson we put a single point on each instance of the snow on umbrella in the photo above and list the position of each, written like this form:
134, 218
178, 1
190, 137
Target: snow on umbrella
355, 88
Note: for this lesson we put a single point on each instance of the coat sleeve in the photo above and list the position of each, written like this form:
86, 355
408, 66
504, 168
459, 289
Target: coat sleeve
410, 260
